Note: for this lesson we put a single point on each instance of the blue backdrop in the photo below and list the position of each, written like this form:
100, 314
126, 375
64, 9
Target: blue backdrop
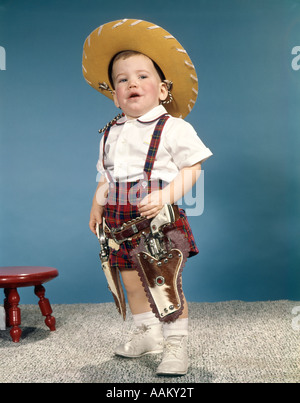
247, 113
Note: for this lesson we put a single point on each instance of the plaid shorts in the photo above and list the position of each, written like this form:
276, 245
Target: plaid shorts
123, 198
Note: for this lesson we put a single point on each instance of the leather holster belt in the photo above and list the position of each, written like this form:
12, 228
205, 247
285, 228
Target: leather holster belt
133, 228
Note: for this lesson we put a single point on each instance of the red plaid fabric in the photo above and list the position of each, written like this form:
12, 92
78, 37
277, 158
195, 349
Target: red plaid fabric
123, 198
153, 147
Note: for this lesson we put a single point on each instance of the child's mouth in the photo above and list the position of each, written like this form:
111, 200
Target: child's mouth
134, 96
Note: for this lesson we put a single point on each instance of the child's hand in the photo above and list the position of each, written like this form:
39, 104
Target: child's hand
95, 217
99, 201
151, 205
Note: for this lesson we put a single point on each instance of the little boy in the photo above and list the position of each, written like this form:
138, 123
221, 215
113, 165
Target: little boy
150, 77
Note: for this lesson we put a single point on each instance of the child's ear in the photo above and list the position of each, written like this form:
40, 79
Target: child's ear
115, 99
163, 91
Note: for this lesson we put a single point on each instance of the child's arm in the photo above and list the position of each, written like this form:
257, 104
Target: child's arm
99, 201
151, 205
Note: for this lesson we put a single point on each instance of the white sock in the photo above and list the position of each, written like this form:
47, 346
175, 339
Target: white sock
177, 328
146, 318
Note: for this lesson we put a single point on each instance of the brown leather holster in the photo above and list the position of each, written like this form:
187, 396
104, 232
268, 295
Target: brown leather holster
161, 275
159, 260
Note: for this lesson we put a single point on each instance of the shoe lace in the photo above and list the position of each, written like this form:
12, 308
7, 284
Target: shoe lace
138, 332
173, 346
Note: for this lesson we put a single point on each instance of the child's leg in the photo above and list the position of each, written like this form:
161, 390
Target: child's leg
151, 331
137, 299
175, 357
148, 337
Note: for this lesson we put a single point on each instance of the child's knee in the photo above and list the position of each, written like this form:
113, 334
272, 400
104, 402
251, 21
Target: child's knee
131, 281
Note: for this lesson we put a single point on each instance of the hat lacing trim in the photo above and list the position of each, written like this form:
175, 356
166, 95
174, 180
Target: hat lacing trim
112, 122
120, 23
105, 87
169, 85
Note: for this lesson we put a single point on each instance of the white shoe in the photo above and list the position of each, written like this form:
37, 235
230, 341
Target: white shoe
145, 340
175, 357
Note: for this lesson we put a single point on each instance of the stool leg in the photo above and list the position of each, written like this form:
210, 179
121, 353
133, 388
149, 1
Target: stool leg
14, 313
6, 306
45, 306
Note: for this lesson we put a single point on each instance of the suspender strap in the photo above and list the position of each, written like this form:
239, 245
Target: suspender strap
105, 136
152, 151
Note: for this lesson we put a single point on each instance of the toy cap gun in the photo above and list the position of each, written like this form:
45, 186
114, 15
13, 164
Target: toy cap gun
112, 274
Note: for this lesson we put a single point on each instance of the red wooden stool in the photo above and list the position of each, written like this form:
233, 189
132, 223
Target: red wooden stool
12, 277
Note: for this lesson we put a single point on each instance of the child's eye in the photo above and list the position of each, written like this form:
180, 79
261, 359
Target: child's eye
143, 76
122, 80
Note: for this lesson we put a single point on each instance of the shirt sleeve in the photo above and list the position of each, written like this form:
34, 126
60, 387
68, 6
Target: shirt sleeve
183, 144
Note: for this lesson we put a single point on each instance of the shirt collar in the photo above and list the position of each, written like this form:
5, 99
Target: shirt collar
148, 117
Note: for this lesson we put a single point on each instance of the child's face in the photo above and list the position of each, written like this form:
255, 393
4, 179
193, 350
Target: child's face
138, 87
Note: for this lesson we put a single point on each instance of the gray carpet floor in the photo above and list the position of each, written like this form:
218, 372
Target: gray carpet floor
229, 342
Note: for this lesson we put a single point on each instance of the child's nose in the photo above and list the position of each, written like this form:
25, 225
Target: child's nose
132, 83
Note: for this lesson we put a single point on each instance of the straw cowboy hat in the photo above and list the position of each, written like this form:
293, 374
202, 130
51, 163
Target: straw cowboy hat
151, 40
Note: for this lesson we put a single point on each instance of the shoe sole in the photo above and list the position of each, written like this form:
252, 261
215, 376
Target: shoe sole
169, 373
172, 373
137, 356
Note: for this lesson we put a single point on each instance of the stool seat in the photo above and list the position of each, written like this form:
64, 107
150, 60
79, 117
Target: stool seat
12, 277
25, 276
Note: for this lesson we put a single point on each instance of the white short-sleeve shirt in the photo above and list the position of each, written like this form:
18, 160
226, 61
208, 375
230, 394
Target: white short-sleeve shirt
128, 142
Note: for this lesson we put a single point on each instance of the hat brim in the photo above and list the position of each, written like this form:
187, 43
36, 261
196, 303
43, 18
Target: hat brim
151, 40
